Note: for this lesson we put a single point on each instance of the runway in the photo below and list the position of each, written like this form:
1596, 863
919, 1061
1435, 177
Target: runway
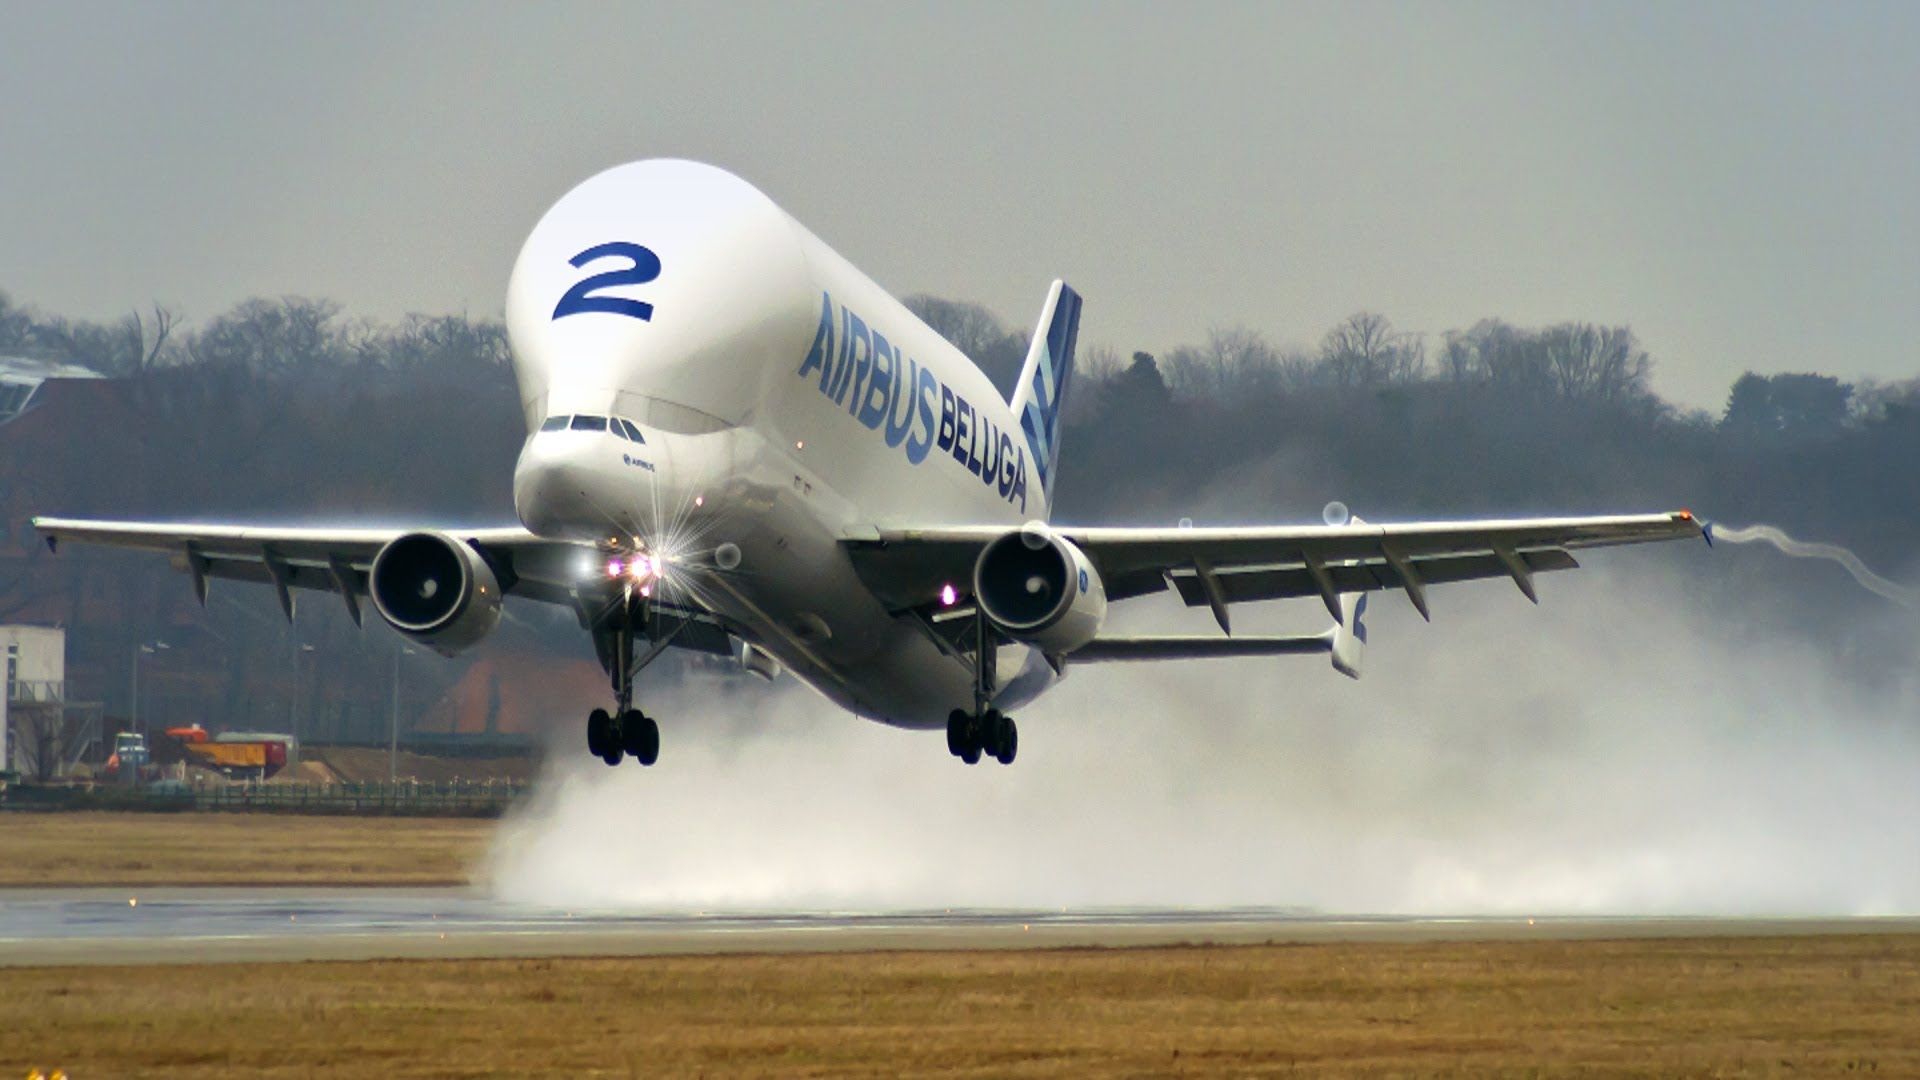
179, 925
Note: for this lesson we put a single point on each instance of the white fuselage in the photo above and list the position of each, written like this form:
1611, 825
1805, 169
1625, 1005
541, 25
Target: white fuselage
785, 402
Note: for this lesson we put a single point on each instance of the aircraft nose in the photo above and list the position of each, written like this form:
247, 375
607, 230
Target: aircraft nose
579, 486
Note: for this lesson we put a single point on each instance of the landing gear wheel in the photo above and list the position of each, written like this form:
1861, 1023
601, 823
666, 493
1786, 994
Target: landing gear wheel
599, 732
612, 756
1007, 742
957, 732
640, 736
970, 753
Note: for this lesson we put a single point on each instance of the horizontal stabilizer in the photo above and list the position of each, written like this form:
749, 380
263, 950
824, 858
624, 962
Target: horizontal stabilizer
1197, 648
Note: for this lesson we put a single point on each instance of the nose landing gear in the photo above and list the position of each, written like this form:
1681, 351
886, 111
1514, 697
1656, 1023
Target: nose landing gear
625, 732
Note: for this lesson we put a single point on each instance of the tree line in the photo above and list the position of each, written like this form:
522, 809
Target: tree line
290, 407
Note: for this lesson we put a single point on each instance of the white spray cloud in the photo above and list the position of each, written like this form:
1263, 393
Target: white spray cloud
1617, 750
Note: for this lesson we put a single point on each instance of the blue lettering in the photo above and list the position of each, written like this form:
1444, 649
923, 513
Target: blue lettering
924, 387
878, 394
645, 267
985, 433
906, 372
859, 357
822, 352
840, 358
888, 391
963, 433
949, 417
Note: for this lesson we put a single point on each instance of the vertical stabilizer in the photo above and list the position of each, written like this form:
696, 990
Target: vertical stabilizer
1042, 389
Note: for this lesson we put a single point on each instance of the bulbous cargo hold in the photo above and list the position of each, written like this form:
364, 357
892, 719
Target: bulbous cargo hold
436, 590
1040, 589
667, 275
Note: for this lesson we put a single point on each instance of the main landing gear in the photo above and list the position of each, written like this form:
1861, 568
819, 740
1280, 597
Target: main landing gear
990, 733
634, 734
984, 731
625, 732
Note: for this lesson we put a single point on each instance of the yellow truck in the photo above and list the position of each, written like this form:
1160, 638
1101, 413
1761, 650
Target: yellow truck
236, 754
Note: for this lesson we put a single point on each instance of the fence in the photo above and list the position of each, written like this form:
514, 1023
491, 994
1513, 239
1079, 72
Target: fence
460, 798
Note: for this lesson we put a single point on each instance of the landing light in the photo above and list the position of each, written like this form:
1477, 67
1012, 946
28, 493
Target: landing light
947, 596
615, 567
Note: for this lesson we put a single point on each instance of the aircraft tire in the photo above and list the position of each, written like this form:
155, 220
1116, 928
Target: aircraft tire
640, 736
970, 753
957, 732
989, 731
599, 726
612, 756
1007, 743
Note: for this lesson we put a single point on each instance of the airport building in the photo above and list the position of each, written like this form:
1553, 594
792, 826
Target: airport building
21, 379
44, 732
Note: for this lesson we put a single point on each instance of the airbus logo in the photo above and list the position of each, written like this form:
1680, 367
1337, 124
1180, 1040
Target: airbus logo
891, 393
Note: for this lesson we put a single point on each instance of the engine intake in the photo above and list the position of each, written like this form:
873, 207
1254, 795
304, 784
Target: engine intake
435, 590
1040, 589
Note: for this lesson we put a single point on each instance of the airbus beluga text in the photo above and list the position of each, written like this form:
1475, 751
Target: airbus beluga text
738, 443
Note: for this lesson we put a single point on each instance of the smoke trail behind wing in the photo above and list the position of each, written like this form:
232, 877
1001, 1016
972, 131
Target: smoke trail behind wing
1803, 549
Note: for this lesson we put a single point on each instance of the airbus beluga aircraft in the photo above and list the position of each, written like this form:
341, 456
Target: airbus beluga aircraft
738, 443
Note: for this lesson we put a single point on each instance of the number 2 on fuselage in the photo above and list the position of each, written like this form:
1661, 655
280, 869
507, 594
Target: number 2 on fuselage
581, 298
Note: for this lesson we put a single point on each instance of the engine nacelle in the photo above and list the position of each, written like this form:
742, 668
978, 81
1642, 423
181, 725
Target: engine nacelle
1040, 589
436, 590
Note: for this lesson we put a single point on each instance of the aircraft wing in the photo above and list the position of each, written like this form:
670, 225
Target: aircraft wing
1218, 567
337, 560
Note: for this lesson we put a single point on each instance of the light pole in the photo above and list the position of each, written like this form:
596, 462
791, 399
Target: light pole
293, 695
393, 727
133, 691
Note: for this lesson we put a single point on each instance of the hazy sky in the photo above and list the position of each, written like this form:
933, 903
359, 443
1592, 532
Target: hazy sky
1736, 182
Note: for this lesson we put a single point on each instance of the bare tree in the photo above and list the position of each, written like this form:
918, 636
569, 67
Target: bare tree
145, 353
1365, 350
1234, 359
1601, 364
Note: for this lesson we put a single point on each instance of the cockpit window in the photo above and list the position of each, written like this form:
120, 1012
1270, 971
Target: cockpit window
555, 423
633, 432
589, 423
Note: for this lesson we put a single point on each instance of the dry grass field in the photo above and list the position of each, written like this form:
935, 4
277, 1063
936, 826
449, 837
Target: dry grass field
237, 849
1758, 1006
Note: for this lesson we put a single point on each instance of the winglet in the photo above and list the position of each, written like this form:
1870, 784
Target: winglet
1350, 635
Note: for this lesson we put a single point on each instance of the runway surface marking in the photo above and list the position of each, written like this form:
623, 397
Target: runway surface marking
180, 925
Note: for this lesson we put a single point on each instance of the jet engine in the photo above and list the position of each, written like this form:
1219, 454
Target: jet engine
1040, 589
435, 590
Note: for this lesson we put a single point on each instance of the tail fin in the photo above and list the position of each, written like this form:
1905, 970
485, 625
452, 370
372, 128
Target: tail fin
1043, 380
1350, 635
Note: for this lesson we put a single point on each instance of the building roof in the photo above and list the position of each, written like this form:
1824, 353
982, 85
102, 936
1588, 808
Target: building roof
21, 376
29, 367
